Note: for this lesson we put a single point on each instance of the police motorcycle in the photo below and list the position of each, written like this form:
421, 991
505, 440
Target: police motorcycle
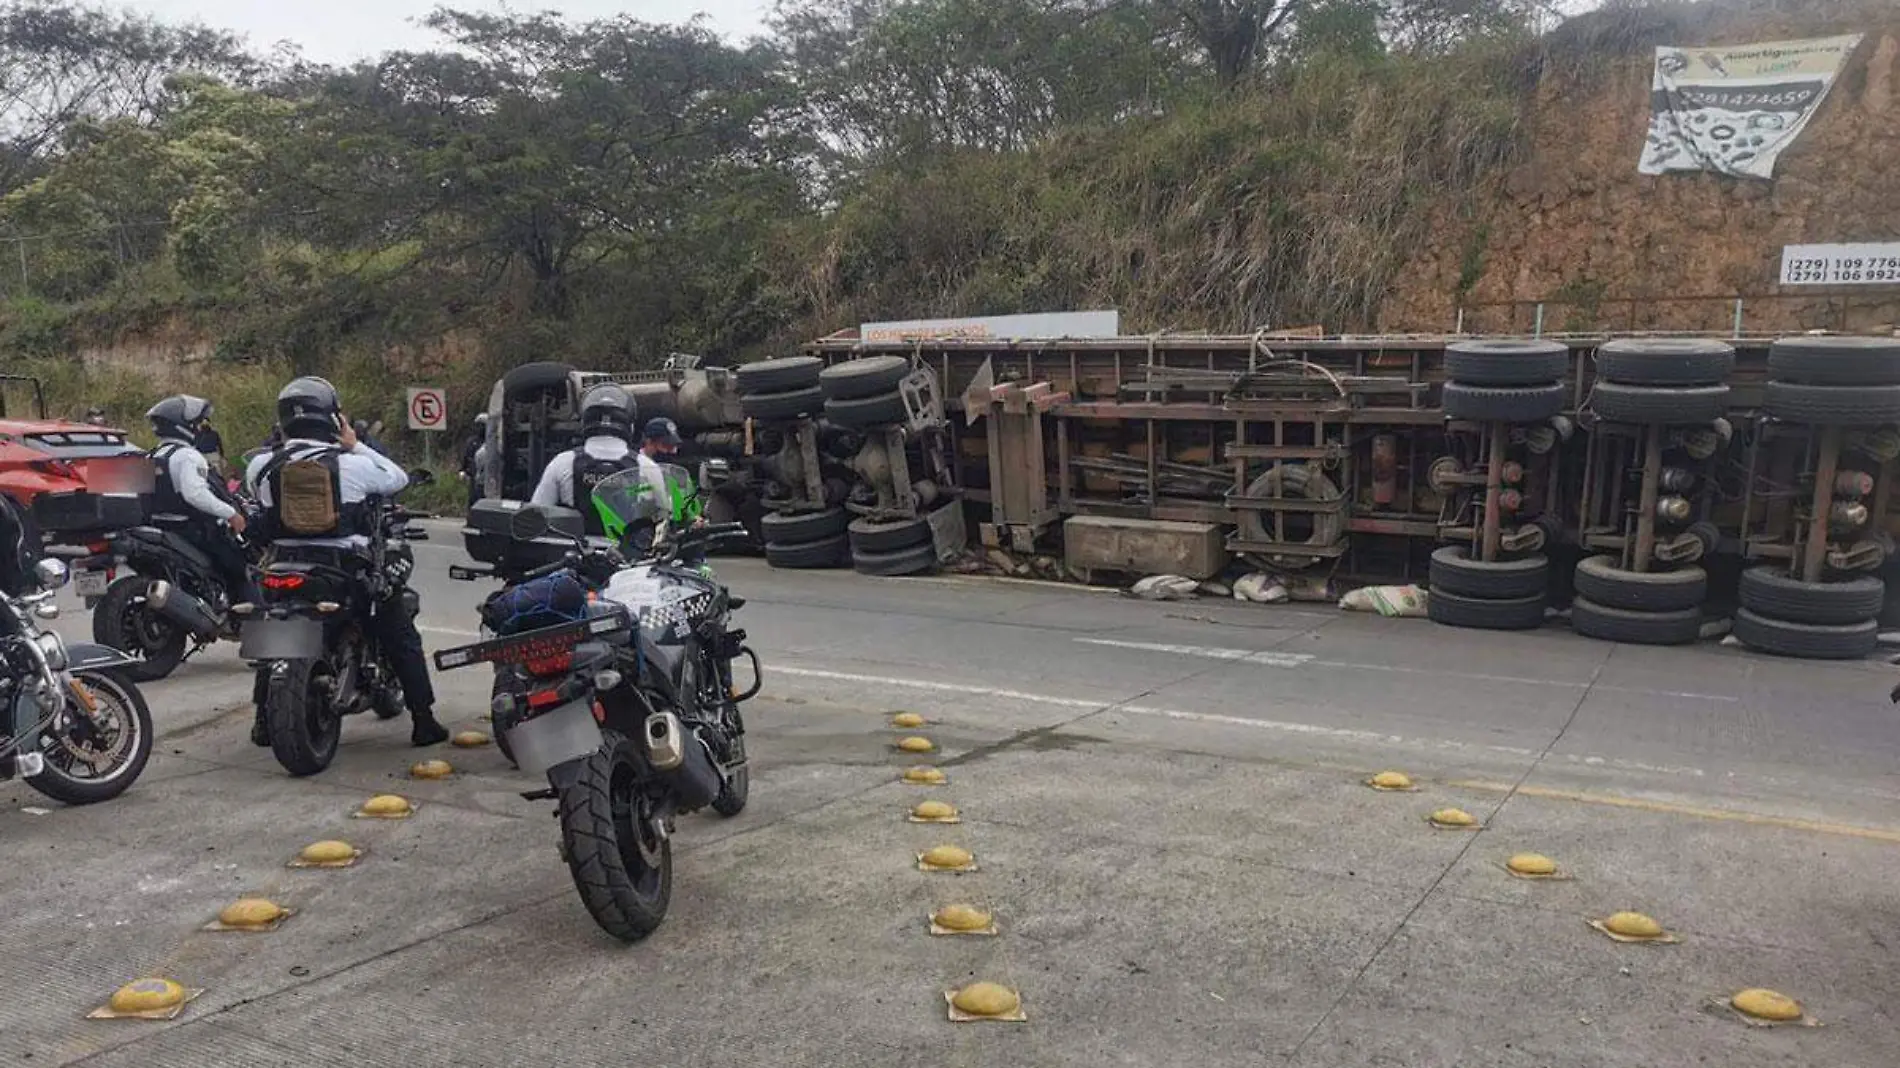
625, 697
71, 723
308, 641
169, 603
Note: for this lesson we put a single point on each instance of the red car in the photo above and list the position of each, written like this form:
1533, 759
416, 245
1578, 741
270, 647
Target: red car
73, 480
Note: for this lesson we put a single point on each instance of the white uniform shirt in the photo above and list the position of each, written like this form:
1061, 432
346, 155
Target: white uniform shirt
190, 474
362, 470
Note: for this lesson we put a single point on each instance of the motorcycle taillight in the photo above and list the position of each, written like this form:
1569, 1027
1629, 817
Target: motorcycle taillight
552, 664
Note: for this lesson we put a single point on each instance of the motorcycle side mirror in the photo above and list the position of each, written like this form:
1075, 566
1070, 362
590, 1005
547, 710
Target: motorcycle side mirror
528, 524
421, 476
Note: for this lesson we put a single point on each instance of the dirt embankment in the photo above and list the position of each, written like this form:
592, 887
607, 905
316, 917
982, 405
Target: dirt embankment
1575, 225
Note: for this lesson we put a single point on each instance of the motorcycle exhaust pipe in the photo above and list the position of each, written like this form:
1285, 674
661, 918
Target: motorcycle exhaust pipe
181, 608
682, 761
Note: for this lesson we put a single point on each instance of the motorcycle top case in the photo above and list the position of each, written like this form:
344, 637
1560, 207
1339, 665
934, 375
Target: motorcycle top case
487, 538
78, 511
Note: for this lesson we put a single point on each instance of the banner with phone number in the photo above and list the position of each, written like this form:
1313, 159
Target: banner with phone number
1733, 109
1866, 264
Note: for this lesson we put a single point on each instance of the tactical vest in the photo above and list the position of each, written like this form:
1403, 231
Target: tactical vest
590, 472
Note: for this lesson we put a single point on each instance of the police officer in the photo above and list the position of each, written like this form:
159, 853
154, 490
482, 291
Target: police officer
184, 486
475, 458
608, 414
311, 418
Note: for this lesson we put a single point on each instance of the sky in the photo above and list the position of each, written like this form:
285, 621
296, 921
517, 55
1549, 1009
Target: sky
337, 31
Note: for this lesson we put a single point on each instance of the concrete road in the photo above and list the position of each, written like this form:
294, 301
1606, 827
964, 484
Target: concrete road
1166, 808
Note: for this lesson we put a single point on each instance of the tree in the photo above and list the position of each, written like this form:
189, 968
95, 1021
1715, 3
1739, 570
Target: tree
62, 64
1233, 33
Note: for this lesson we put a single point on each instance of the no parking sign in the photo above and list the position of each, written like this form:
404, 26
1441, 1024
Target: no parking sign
428, 408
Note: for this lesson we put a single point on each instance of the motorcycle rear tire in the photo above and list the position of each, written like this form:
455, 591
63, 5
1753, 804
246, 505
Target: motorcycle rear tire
117, 622
304, 729
624, 893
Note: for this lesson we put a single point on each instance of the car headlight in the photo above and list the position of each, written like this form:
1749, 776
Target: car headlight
53, 649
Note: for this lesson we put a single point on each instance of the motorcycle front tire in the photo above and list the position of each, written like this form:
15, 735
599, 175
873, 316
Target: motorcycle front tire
603, 819
129, 702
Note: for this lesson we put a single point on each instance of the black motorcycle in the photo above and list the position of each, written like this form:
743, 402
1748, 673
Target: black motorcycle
311, 642
71, 724
625, 700
169, 605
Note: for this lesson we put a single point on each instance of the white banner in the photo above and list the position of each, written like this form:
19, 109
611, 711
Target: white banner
1864, 264
1002, 327
1732, 110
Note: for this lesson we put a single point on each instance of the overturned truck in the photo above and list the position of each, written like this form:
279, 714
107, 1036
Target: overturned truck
1650, 484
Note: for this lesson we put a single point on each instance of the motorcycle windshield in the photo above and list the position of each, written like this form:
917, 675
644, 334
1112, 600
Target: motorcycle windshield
624, 500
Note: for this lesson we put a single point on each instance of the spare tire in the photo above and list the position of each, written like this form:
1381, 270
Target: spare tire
1770, 592
777, 376
791, 404
1658, 405
1600, 580
1592, 620
1506, 362
1665, 361
1812, 641
1504, 404
1292, 480
1794, 402
1453, 571
1836, 361
1518, 613
863, 378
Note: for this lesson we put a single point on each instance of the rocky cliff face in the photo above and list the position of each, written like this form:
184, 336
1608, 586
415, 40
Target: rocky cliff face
1574, 225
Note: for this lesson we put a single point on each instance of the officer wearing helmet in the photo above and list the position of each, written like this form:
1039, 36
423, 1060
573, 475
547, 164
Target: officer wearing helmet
314, 428
184, 486
608, 415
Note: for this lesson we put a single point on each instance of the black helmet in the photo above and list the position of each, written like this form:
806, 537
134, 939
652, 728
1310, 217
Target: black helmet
180, 417
308, 408
608, 411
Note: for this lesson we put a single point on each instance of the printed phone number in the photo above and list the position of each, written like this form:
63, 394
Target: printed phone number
1846, 270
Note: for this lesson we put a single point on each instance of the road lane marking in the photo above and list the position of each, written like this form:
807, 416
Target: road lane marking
1270, 658
450, 631
1729, 815
1277, 726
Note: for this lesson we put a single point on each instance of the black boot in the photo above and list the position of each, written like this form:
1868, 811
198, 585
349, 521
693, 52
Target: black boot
425, 730
260, 731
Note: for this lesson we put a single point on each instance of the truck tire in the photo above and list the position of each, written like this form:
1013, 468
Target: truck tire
1632, 627
865, 377
1810, 641
1516, 613
1453, 571
1599, 580
791, 404
825, 552
882, 409
780, 375
1664, 361
912, 561
1506, 362
1836, 361
1794, 402
1504, 404
534, 378
1658, 405
1769, 592
869, 536
792, 528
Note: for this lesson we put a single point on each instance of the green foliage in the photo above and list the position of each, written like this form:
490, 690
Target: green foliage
609, 191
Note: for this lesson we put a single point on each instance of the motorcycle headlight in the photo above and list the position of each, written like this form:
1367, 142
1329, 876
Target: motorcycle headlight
53, 649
